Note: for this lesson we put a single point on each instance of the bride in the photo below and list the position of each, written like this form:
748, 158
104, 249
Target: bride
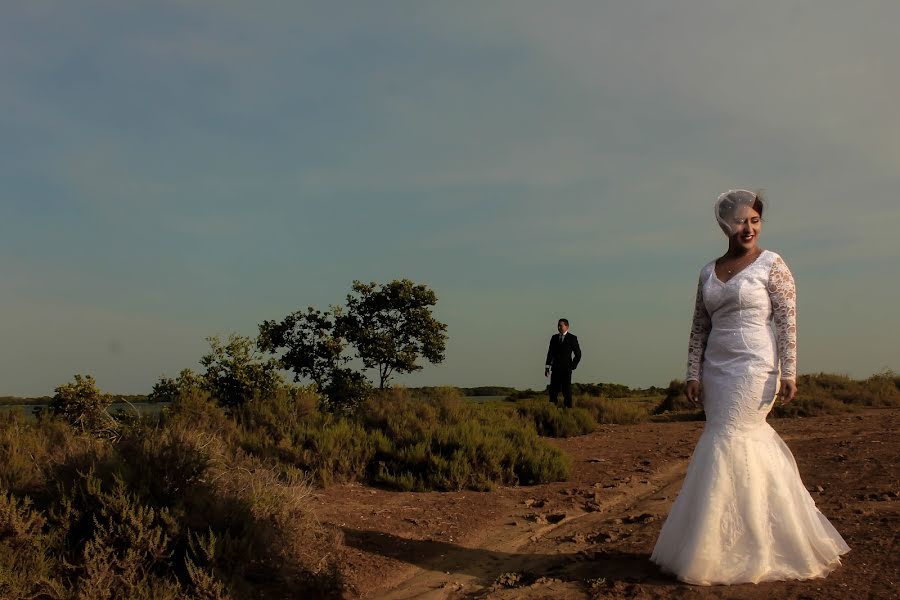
743, 514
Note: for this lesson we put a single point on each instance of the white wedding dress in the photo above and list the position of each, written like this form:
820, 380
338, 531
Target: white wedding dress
743, 514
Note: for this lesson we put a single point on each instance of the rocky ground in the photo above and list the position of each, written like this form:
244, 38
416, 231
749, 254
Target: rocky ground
591, 537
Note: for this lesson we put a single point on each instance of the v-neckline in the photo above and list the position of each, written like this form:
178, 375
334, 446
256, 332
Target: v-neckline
733, 277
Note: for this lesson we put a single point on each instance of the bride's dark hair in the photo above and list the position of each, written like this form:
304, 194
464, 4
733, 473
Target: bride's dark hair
760, 203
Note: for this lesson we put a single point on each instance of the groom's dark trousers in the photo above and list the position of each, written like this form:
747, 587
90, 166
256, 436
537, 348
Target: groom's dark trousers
562, 358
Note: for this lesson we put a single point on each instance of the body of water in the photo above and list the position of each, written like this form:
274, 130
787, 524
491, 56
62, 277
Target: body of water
145, 408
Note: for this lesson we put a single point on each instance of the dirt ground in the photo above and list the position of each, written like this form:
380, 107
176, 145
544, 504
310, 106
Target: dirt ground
591, 537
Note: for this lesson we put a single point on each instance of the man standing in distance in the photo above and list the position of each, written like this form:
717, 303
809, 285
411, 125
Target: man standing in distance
562, 358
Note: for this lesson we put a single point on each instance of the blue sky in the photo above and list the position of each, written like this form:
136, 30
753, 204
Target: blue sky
175, 170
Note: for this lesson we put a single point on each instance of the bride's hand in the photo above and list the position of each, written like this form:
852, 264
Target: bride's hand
692, 391
788, 390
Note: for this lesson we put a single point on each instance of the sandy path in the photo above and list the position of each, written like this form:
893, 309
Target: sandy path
547, 547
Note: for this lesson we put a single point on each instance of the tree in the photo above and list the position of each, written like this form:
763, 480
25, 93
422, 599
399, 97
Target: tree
391, 326
312, 348
235, 373
169, 390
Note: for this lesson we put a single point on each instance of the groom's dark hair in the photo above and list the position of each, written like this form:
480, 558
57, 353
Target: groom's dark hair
566, 321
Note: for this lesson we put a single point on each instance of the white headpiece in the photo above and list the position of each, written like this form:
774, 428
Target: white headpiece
728, 204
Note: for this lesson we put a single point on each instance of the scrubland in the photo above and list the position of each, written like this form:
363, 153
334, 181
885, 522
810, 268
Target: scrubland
206, 501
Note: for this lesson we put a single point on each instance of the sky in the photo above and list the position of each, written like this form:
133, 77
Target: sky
177, 170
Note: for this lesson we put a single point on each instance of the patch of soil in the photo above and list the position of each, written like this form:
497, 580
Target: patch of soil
591, 536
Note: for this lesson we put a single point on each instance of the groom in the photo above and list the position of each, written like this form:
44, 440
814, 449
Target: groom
562, 358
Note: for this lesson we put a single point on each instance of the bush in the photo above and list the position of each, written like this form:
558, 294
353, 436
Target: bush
332, 449
552, 421
345, 391
235, 373
196, 409
445, 443
84, 406
805, 406
612, 411
166, 511
24, 565
277, 416
674, 400
879, 390
439, 441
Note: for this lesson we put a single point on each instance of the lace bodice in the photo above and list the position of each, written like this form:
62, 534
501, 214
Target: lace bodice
743, 308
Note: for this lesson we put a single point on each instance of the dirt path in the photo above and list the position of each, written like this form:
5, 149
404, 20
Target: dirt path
552, 544
591, 537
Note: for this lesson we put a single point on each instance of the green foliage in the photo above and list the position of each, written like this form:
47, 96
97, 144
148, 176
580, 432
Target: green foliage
333, 449
818, 394
879, 390
600, 390
84, 406
415, 443
553, 421
487, 390
235, 374
202, 556
675, 400
445, 443
165, 511
811, 406
613, 411
346, 391
589, 411
392, 325
24, 564
196, 409
168, 389
311, 346
7, 400
127, 543
275, 418
167, 462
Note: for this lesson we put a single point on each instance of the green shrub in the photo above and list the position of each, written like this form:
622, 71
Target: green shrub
84, 406
612, 411
345, 391
166, 511
878, 390
197, 409
24, 565
279, 414
333, 449
535, 460
674, 400
442, 442
553, 421
236, 373
806, 406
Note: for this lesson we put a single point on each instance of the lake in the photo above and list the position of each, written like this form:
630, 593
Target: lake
145, 408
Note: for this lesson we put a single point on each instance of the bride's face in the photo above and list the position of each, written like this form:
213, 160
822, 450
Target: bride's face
747, 224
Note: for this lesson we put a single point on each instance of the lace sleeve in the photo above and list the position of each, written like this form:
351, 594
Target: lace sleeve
783, 296
699, 334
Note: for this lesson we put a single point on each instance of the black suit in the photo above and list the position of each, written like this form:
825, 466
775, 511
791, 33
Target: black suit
563, 357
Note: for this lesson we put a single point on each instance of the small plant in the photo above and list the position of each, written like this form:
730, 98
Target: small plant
509, 580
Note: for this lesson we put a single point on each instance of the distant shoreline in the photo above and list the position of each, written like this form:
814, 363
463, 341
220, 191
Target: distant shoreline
46, 400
